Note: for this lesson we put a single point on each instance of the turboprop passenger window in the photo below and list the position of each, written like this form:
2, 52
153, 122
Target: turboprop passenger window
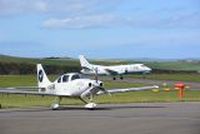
65, 78
74, 77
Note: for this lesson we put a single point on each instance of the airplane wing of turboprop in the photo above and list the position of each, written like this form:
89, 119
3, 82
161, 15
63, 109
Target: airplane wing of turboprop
111, 72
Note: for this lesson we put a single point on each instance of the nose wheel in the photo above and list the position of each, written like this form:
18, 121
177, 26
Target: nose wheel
55, 106
91, 106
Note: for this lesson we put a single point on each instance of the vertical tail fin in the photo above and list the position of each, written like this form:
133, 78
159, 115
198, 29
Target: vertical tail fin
42, 78
84, 62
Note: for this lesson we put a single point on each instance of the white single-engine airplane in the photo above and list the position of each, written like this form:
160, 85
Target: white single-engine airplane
69, 85
120, 70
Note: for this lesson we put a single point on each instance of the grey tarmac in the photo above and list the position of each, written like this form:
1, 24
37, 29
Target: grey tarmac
140, 118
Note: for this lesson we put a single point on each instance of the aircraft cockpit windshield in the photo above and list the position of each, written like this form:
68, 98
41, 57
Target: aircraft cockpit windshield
75, 76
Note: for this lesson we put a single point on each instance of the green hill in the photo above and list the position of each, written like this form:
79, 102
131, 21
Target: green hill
19, 65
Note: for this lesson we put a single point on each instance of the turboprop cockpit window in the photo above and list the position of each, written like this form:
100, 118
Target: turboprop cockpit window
74, 77
65, 78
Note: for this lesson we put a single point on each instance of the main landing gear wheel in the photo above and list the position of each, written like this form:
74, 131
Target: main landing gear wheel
91, 106
55, 106
114, 78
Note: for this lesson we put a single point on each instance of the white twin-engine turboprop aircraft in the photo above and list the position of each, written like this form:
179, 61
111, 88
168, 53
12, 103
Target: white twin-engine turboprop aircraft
115, 70
70, 85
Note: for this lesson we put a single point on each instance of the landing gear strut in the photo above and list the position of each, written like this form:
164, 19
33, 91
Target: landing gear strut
89, 104
56, 103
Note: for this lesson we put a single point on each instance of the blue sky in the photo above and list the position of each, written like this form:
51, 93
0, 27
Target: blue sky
166, 29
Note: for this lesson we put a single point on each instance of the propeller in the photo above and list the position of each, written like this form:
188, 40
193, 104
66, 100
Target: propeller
96, 78
96, 74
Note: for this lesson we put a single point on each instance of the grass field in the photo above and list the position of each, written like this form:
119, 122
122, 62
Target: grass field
30, 80
20, 101
10, 101
174, 77
176, 65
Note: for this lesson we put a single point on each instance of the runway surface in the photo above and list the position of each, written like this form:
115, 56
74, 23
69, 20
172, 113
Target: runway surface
147, 82
151, 118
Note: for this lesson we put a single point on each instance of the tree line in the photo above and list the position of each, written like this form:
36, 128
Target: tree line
28, 68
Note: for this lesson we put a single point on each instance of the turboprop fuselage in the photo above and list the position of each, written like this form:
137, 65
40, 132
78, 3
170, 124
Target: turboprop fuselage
116, 70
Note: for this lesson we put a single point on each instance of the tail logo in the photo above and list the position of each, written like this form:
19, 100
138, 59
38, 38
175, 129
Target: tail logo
40, 76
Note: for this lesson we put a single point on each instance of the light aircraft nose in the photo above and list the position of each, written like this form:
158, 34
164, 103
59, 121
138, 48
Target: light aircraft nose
96, 83
82, 71
148, 69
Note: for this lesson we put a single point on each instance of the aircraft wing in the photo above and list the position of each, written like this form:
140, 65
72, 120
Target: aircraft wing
112, 72
122, 90
23, 92
22, 87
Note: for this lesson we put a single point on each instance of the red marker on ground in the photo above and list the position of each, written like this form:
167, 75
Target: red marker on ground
180, 86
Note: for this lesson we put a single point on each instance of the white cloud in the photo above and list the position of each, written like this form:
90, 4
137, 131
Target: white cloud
102, 20
10, 7
100, 13
185, 19
176, 20
41, 6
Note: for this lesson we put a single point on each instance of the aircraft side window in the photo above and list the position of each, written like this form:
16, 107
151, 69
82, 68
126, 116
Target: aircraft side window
65, 78
59, 80
75, 77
